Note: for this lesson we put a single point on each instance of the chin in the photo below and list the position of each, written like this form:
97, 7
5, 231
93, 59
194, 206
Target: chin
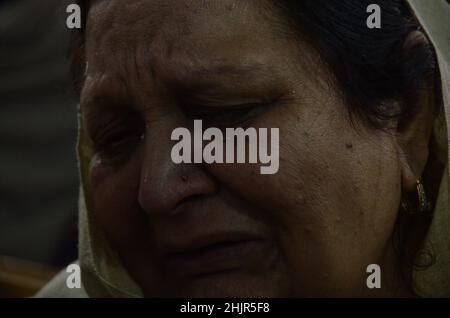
232, 285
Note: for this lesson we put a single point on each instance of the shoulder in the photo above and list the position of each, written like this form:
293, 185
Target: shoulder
57, 288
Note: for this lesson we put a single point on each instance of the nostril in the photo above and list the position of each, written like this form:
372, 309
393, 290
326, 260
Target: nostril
169, 190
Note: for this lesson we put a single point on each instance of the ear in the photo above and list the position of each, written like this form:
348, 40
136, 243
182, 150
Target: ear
414, 132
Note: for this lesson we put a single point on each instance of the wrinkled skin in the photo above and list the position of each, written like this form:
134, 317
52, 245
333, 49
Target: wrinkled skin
329, 211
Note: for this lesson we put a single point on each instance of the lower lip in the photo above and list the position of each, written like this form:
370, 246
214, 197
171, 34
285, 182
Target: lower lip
251, 255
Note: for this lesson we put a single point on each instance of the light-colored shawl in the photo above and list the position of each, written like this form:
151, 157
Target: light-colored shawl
434, 281
104, 276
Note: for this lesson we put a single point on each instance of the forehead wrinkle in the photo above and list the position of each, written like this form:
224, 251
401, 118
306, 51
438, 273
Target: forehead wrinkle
183, 68
121, 34
104, 90
162, 33
163, 52
127, 17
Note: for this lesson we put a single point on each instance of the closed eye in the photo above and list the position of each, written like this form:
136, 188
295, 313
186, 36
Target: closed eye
118, 140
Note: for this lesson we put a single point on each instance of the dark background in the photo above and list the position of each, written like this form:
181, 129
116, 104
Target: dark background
38, 123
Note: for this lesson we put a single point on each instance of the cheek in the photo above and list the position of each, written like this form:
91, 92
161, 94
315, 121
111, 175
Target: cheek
114, 193
343, 190
334, 200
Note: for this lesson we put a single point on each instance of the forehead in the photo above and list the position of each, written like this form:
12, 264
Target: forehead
158, 11
171, 29
178, 40
175, 22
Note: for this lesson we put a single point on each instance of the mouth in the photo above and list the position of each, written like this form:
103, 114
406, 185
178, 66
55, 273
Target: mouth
218, 254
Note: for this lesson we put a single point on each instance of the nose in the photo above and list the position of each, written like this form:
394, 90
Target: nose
165, 185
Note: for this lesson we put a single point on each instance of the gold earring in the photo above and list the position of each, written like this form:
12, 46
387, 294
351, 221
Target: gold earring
422, 204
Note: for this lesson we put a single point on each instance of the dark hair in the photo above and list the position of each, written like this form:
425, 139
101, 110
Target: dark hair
371, 66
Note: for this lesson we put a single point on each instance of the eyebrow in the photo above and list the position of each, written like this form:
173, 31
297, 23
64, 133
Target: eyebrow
220, 67
198, 76
110, 89
209, 74
106, 93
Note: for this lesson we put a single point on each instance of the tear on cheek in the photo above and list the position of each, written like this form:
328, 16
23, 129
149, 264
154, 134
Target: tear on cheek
97, 171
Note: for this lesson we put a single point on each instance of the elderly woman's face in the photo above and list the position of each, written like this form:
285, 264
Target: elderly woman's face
224, 229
